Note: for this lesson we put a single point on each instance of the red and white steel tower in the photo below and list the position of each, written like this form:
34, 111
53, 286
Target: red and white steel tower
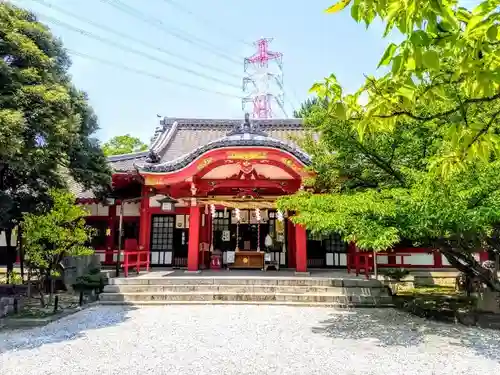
263, 84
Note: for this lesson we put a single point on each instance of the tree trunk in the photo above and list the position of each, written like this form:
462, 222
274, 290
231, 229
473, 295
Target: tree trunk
41, 288
29, 284
42, 298
21, 250
11, 254
466, 263
51, 290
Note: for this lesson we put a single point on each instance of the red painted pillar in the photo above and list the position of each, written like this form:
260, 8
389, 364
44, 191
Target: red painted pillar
144, 222
438, 260
300, 249
110, 234
290, 233
194, 238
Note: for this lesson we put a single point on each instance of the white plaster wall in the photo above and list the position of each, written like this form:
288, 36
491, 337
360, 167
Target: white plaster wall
329, 259
13, 240
96, 209
153, 201
129, 209
418, 259
444, 261
382, 259
102, 256
336, 259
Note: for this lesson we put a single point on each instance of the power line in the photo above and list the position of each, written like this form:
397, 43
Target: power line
184, 9
148, 74
170, 30
135, 51
132, 38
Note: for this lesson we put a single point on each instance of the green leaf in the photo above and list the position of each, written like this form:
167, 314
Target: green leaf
464, 15
420, 38
492, 33
485, 7
418, 57
450, 17
473, 22
436, 6
397, 63
388, 54
410, 64
406, 92
356, 12
315, 87
340, 111
337, 7
431, 60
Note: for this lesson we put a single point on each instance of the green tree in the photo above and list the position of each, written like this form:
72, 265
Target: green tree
307, 107
436, 33
52, 235
46, 124
379, 192
123, 144
419, 160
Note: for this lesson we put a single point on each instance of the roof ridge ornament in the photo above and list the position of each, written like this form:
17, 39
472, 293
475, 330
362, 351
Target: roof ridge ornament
247, 128
153, 157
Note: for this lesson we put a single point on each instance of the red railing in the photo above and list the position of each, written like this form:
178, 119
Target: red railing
364, 261
129, 259
360, 261
135, 259
401, 257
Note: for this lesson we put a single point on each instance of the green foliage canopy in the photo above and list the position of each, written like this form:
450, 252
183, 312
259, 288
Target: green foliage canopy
379, 192
59, 232
435, 33
46, 124
123, 144
307, 107
419, 160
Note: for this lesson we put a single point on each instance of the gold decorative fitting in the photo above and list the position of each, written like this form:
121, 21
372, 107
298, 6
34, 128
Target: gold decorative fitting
204, 163
247, 155
290, 163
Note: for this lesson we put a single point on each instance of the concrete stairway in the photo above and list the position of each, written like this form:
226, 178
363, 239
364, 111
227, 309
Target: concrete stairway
301, 291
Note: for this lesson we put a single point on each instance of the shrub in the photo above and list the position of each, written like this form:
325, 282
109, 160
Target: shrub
394, 273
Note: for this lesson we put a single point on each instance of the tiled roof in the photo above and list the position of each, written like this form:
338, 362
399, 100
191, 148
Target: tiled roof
127, 162
78, 190
182, 138
189, 135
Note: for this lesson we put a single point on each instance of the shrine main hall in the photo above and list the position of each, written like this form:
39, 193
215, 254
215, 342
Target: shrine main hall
209, 187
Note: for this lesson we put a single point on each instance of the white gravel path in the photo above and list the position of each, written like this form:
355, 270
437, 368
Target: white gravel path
227, 340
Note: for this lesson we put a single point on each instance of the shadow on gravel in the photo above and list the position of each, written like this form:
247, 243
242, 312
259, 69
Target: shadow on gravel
69, 328
393, 328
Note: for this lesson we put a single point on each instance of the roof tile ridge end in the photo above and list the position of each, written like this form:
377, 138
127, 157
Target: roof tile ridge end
165, 138
132, 155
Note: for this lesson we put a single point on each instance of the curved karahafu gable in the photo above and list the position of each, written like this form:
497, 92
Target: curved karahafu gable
246, 134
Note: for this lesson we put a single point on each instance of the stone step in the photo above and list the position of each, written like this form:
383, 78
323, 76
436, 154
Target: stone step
298, 289
340, 299
219, 302
227, 280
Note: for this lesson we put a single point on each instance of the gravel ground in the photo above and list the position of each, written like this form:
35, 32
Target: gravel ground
226, 340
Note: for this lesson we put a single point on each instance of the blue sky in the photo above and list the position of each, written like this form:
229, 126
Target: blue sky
313, 44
